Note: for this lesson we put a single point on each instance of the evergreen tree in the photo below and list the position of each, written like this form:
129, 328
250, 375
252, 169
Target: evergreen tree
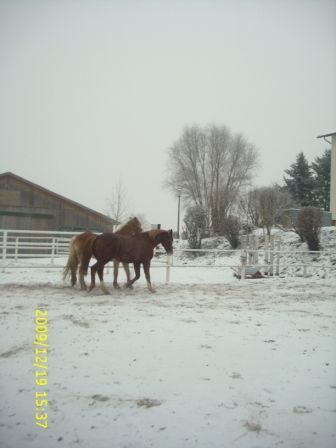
300, 183
321, 175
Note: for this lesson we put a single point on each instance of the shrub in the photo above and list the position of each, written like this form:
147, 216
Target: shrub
308, 226
195, 226
230, 227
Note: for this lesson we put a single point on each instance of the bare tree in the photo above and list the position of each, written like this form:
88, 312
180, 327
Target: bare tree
211, 166
262, 206
249, 208
117, 203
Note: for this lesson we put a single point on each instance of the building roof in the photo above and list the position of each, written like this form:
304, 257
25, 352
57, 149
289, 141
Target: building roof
55, 195
326, 135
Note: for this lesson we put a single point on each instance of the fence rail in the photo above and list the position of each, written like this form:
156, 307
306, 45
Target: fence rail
33, 246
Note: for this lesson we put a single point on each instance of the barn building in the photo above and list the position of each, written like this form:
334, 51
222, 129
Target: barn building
27, 206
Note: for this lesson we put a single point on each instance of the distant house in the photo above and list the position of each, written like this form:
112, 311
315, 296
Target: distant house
28, 206
289, 216
332, 207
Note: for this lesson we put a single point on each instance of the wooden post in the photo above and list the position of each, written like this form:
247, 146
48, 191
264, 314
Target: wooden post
266, 254
168, 265
256, 253
53, 250
271, 258
243, 259
4, 249
16, 249
250, 247
305, 264
277, 259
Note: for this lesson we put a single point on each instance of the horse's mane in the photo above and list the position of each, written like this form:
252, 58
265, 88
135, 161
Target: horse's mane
155, 232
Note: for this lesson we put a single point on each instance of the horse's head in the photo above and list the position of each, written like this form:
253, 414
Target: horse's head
132, 227
164, 237
135, 225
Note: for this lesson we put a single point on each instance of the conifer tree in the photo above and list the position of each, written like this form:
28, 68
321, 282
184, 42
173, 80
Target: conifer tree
321, 175
300, 183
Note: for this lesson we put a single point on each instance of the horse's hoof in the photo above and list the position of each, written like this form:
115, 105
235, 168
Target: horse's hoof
104, 289
116, 286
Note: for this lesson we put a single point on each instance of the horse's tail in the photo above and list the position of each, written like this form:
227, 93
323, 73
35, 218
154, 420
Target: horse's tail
73, 260
87, 254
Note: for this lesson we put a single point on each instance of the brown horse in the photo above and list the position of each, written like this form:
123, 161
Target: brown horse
77, 244
137, 249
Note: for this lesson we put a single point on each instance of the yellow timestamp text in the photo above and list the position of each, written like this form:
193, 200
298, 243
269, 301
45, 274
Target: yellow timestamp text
41, 367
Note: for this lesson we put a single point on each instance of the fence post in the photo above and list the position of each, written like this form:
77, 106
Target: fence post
250, 251
277, 258
4, 249
256, 253
168, 265
53, 250
266, 254
16, 249
271, 258
305, 264
243, 259
243, 242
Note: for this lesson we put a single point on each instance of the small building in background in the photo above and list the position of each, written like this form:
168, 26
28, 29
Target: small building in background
28, 206
288, 217
332, 207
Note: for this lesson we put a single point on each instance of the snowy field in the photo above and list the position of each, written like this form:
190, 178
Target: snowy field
207, 361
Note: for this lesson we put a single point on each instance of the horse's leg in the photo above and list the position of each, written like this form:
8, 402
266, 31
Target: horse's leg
146, 266
82, 281
81, 277
81, 274
73, 275
73, 267
100, 271
94, 269
115, 274
128, 274
137, 275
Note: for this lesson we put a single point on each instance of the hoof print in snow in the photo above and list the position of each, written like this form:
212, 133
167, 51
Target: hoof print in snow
148, 403
206, 346
14, 351
253, 426
99, 397
302, 410
236, 375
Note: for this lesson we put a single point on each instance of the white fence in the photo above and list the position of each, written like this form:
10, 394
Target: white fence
52, 247
18, 244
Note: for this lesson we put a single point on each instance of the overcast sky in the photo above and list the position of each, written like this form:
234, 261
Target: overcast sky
92, 91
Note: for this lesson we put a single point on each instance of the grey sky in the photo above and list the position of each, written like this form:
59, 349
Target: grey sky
93, 91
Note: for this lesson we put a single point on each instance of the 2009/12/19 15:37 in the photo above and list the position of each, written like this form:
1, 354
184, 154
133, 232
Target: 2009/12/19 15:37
41, 363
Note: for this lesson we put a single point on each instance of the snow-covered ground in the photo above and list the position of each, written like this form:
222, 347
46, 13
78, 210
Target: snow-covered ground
207, 361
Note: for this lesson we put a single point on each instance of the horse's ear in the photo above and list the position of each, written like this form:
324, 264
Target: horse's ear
170, 233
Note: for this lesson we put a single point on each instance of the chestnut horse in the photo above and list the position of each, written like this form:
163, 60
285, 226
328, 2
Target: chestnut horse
137, 249
77, 243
